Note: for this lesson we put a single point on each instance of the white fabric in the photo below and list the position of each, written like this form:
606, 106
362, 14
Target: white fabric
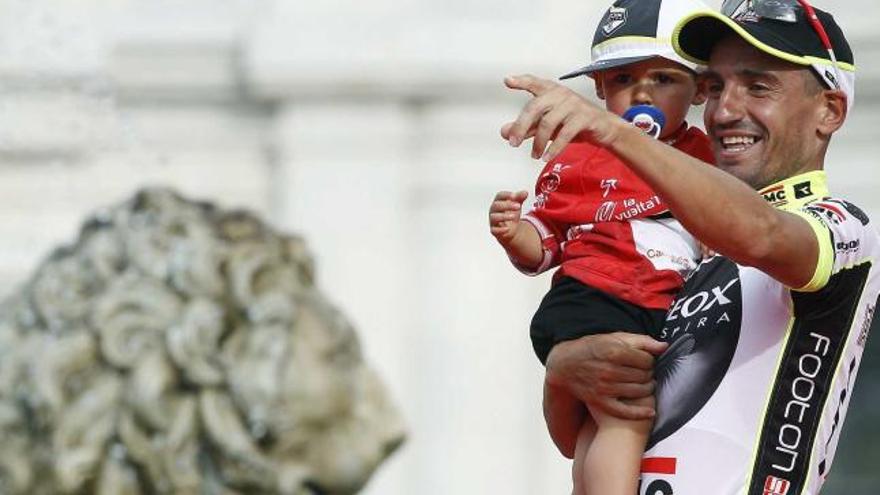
847, 80
666, 245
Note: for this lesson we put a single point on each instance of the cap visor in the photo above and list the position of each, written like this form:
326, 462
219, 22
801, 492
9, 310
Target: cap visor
605, 65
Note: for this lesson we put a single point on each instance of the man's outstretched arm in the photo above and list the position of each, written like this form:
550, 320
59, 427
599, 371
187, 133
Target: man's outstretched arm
719, 209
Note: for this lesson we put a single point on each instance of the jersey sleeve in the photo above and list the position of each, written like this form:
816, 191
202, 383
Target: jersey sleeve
844, 234
550, 241
554, 196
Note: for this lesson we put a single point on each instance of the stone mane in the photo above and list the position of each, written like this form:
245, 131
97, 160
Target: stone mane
180, 348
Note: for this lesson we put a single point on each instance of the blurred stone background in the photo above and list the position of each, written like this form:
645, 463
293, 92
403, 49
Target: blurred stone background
372, 129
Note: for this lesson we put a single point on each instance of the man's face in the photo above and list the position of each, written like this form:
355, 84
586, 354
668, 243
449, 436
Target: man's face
762, 114
656, 81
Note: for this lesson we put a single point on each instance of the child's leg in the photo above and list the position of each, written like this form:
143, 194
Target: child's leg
584, 440
564, 414
613, 455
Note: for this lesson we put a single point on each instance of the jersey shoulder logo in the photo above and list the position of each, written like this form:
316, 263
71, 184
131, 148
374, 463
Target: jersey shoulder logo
827, 212
853, 210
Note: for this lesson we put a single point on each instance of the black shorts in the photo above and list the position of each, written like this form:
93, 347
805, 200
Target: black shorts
571, 310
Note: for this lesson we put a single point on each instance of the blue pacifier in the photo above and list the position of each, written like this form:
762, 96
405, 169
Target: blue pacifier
647, 118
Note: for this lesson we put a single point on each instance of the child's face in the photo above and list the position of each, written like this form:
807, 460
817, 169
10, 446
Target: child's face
658, 82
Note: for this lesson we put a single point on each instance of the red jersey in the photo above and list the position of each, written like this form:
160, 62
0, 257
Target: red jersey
595, 219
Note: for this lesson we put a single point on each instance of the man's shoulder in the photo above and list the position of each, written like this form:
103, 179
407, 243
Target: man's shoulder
837, 211
848, 224
851, 241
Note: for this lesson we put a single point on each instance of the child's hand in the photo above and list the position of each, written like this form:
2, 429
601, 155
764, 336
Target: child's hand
504, 215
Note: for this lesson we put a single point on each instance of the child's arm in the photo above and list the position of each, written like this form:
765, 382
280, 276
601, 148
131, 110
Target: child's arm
519, 238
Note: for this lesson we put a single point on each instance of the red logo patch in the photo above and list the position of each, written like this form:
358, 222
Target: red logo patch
776, 486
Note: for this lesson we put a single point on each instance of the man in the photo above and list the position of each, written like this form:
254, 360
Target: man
764, 341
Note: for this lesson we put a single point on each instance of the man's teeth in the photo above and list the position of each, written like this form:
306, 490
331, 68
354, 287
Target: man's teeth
738, 140
736, 144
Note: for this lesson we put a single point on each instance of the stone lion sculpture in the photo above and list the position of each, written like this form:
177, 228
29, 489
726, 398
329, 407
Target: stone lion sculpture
179, 348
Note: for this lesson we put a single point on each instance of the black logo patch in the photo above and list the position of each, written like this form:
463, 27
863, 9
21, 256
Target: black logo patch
616, 18
803, 190
830, 77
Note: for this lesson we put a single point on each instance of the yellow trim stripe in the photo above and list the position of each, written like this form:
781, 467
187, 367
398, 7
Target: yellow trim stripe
796, 59
825, 264
824, 61
818, 189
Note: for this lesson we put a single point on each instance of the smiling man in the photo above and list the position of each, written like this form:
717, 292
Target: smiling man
766, 339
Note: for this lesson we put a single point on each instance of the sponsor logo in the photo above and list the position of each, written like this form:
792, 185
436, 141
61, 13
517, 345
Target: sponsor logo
635, 208
605, 213
747, 16
607, 186
827, 212
801, 398
830, 77
701, 302
848, 247
683, 261
803, 190
800, 392
616, 18
656, 487
816, 215
866, 325
692, 309
662, 466
776, 196
823, 466
776, 486
548, 183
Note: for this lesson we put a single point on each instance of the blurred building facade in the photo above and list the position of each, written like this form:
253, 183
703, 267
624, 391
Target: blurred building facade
372, 129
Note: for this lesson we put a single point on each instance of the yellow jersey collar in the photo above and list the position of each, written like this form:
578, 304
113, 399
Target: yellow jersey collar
794, 192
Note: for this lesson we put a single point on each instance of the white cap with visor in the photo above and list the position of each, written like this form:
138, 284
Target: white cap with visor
635, 30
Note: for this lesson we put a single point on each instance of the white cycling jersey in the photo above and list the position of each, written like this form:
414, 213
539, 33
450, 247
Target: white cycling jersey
754, 388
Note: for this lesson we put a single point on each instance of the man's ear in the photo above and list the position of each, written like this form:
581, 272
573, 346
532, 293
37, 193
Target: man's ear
600, 89
832, 111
